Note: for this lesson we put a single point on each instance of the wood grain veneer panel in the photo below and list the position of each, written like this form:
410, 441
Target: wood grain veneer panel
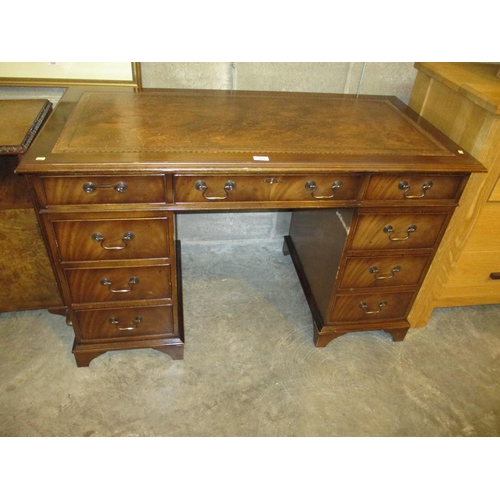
28, 281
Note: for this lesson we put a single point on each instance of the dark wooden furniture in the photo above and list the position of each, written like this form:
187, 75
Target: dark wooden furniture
372, 187
27, 277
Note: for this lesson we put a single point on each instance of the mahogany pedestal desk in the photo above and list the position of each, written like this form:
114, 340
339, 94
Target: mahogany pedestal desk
371, 185
27, 278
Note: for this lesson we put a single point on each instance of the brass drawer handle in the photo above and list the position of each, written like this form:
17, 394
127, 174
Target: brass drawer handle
312, 186
364, 306
405, 186
202, 186
374, 270
131, 282
99, 238
90, 187
389, 229
116, 322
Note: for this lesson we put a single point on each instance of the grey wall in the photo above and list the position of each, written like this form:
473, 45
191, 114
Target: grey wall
337, 77
343, 77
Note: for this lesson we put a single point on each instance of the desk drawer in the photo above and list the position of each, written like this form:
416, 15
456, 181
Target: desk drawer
96, 190
212, 189
119, 283
392, 231
374, 272
96, 239
370, 307
414, 187
106, 324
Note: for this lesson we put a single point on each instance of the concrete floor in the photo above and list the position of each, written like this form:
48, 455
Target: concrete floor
251, 369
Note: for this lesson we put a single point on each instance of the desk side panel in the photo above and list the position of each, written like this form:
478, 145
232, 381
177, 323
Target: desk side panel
319, 238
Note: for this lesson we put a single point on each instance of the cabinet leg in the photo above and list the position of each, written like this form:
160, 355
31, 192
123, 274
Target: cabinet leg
83, 357
174, 351
398, 334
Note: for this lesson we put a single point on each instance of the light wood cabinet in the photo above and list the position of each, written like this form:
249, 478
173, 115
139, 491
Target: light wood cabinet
463, 101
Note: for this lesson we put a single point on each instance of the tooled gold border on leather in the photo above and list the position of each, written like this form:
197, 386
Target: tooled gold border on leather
63, 144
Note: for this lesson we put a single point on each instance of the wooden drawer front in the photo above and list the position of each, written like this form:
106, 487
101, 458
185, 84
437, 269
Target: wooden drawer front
104, 190
266, 188
124, 323
413, 187
119, 283
124, 239
370, 307
376, 272
395, 231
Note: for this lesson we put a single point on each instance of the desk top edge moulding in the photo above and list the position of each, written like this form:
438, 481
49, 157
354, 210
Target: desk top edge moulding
175, 129
17, 137
371, 185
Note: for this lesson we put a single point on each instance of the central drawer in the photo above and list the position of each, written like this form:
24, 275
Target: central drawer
108, 239
212, 189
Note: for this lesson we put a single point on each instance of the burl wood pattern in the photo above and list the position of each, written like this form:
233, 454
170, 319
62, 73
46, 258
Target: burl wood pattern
28, 281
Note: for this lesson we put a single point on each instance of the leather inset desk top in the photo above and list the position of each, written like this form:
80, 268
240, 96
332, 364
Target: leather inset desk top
194, 122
